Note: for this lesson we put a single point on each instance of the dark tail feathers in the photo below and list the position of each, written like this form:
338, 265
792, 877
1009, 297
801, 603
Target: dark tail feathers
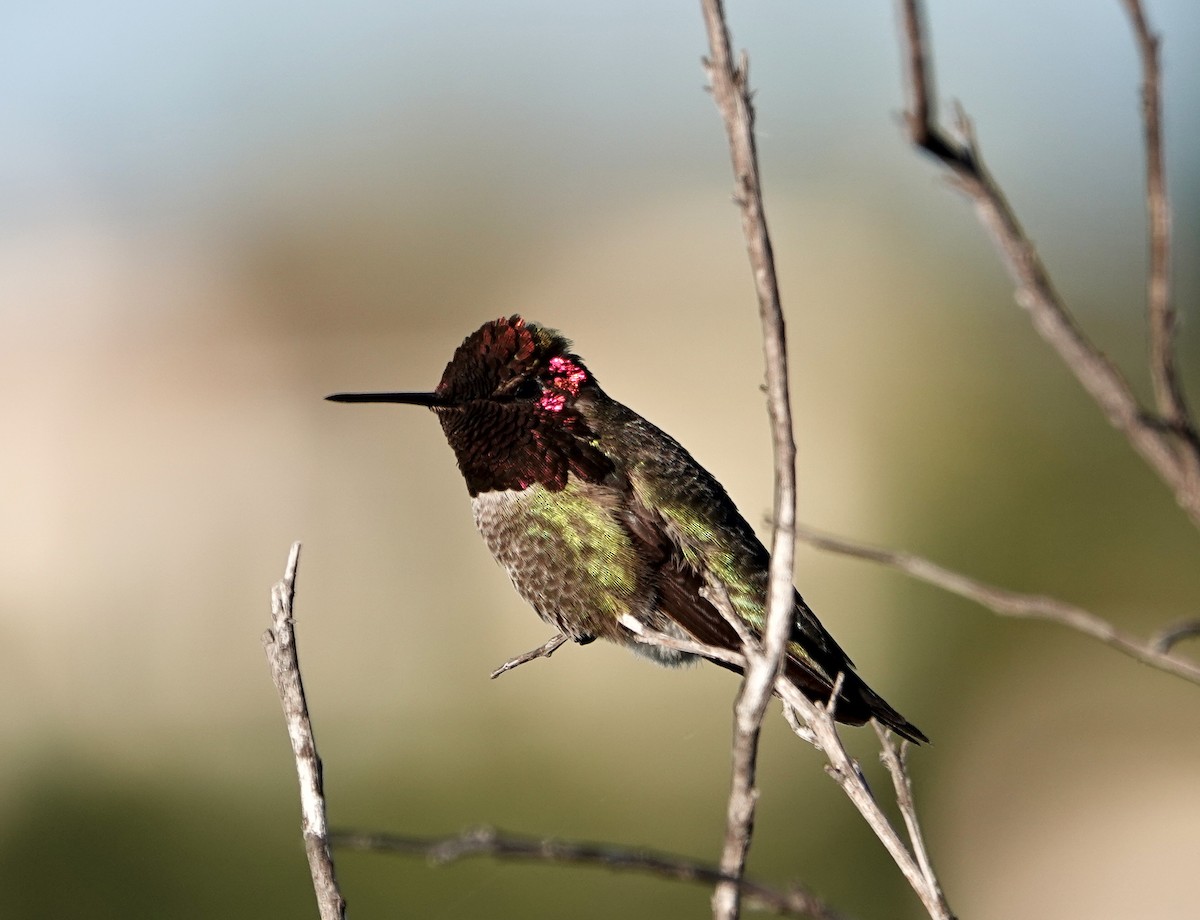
856, 703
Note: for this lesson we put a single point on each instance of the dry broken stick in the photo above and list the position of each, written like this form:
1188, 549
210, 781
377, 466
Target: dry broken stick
1169, 445
279, 642
489, 842
730, 88
1154, 651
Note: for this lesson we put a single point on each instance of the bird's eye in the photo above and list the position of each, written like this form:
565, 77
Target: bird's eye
529, 388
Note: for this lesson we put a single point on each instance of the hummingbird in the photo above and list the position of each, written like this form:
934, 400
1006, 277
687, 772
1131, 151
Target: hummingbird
599, 515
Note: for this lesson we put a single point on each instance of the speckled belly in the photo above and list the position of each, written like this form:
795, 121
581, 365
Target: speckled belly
568, 556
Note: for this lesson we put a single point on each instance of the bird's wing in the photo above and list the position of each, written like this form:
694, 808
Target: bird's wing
689, 530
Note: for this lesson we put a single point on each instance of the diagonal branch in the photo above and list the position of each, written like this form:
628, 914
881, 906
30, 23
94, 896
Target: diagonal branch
729, 83
279, 642
1014, 604
896, 761
1172, 451
545, 650
816, 725
795, 901
845, 771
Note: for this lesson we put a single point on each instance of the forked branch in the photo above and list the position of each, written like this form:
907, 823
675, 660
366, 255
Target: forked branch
1166, 441
815, 724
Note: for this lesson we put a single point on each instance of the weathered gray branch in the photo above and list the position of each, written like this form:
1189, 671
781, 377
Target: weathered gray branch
895, 759
1154, 651
489, 842
279, 642
729, 83
1168, 390
816, 725
1168, 444
545, 650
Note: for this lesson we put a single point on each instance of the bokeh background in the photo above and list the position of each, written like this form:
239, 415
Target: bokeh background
215, 214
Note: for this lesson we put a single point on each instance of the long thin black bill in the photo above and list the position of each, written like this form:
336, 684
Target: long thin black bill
410, 399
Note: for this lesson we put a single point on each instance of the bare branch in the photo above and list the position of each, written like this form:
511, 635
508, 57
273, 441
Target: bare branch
921, 117
1012, 603
896, 763
648, 636
846, 772
1175, 460
731, 91
717, 594
545, 650
279, 643
489, 842
801, 728
730, 87
815, 724
1168, 390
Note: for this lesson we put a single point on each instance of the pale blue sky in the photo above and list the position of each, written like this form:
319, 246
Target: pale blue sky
147, 106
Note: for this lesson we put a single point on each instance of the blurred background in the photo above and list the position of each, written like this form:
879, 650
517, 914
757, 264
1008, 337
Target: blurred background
215, 214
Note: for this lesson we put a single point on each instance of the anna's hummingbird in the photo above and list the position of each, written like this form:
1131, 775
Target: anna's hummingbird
597, 514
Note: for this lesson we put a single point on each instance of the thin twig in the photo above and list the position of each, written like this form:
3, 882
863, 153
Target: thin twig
645, 634
1169, 395
731, 91
717, 593
545, 650
1173, 458
1168, 391
922, 107
795, 901
1011, 603
815, 724
797, 724
897, 765
279, 643
846, 772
